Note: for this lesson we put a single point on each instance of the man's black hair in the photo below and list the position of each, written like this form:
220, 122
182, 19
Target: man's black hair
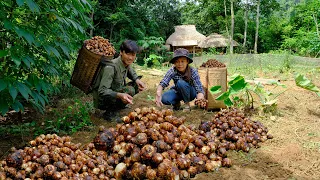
129, 46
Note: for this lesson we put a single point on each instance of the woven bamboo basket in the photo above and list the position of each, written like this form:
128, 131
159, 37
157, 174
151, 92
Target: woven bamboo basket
213, 77
86, 69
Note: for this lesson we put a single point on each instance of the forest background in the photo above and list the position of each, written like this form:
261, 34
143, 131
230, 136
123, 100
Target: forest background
39, 40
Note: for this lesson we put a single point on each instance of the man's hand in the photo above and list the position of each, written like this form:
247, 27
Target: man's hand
125, 98
141, 85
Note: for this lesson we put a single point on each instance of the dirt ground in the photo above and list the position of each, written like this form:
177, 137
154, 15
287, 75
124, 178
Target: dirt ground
293, 153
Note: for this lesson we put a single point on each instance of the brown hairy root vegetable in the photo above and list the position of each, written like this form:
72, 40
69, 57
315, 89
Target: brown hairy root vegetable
99, 45
211, 63
201, 103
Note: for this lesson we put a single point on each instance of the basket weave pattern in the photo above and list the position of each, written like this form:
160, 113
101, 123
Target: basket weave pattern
86, 69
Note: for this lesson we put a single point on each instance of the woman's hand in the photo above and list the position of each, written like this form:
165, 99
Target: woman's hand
158, 100
159, 96
141, 85
200, 96
125, 98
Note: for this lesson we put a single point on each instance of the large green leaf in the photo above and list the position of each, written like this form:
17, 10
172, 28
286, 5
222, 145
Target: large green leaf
16, 60
4, 107
17, 106
215, 89
3, 53
237, 84
305, 83
223, 96
26, 62
228, 102
20, 2
13, 92
3, 84
23, 33
7, 24
24, 90
33, 6
51, 50
42, 101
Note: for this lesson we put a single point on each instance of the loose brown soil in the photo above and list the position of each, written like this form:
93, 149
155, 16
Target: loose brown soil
293, 153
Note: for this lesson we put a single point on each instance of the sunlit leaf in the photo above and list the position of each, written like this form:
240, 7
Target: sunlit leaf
228, 102
223, 96
238, 83
215, 89
305, 83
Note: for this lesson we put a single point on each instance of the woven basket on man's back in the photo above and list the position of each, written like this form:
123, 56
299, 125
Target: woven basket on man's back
86, 69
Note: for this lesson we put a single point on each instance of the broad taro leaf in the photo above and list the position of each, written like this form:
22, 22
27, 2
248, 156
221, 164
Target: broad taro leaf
215, 89
228, 102
237, 84
223, 96
305, 83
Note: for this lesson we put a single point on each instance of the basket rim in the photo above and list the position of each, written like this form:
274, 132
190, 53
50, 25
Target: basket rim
84, 47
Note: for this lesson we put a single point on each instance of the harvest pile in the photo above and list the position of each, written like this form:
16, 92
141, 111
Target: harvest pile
99, 45
235, 131
150, 144
211, 63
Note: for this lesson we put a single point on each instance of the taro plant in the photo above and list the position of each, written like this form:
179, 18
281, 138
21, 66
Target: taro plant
241, 93
305, 83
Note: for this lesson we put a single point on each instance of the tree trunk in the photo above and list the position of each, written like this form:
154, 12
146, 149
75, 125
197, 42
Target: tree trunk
257, 28
111, 30
317, 25
245, 26
226, 18
232, 28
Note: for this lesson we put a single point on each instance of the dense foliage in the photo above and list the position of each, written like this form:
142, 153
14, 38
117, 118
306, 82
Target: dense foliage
37, 39
284, 24
135, 19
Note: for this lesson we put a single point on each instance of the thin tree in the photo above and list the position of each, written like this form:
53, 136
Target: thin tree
245, 25
257, 28
232, 27
226, 18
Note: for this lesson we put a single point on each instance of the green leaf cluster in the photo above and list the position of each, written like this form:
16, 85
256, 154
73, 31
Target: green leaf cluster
37, 40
